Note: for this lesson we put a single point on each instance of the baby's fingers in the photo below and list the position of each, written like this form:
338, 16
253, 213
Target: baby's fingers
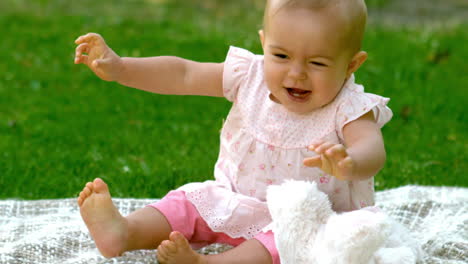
313, 162
346, 164
82, 48
346, 167
315, 144
79, 57
321, 148
92, 38
336, 152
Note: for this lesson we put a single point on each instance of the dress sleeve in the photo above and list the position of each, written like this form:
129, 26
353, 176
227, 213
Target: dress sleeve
236, 68
358, 103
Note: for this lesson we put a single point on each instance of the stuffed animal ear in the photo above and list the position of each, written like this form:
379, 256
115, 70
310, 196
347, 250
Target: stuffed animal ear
298, 198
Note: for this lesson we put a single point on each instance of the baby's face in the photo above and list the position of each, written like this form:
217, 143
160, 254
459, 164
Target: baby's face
306, 60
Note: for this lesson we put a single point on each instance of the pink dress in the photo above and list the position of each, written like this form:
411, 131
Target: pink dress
264, 144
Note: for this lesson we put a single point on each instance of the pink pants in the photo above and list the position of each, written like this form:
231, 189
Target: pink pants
184, 217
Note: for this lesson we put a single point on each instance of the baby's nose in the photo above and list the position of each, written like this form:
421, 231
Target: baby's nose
297, 71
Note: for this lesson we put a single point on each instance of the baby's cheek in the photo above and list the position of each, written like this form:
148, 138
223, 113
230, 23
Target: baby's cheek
270, 80
272, 74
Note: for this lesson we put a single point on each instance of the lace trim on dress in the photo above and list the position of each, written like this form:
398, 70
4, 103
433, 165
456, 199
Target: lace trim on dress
228, 212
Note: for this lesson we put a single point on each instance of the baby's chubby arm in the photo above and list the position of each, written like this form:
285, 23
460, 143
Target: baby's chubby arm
362, 156
163, 75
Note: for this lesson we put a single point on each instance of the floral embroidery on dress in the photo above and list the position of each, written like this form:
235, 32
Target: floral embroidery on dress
324, 180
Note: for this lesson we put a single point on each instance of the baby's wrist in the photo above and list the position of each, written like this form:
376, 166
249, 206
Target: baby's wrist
121, 66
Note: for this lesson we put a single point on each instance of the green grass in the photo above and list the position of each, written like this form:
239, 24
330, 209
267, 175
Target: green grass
61, 126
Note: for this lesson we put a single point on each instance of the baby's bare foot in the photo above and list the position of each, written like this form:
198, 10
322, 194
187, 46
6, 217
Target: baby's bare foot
107, 226
177, 250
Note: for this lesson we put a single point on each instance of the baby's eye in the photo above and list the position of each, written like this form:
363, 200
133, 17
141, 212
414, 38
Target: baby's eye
316, 63
281, 56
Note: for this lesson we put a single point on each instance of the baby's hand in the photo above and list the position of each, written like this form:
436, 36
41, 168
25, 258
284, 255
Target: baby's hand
93, 51
332, 159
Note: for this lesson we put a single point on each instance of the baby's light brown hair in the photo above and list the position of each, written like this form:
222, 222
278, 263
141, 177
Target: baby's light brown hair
353, 13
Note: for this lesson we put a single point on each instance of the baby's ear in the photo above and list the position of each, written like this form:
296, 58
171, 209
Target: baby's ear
261, 34
356, 62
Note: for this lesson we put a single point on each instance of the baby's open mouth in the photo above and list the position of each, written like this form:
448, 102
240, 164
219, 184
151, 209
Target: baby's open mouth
298, 93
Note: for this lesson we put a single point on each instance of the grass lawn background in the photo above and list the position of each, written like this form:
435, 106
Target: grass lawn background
61, 126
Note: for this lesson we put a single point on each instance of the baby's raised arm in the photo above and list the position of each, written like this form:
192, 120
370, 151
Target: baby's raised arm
164, 75
362, 156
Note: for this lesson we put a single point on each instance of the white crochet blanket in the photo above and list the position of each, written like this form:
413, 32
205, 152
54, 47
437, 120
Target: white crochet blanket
51, 231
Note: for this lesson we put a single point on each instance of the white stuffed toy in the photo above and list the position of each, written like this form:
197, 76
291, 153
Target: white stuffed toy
307, 231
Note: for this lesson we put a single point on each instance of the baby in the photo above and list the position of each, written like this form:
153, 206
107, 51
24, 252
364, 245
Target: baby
296, 114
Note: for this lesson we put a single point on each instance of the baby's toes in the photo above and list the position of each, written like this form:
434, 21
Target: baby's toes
169, 247
90, 185
161, 257
165, 250
85, 193
179, 240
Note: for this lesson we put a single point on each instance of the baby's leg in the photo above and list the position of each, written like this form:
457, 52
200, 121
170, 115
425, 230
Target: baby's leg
177, 250
113, 233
